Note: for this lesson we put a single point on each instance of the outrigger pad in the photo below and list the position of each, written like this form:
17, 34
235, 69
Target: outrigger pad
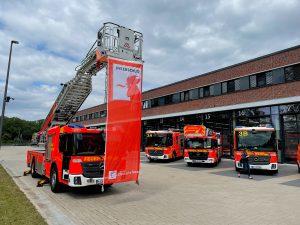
41, 183
26, 172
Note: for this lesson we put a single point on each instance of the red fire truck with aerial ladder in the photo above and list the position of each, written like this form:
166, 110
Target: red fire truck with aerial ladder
76, 156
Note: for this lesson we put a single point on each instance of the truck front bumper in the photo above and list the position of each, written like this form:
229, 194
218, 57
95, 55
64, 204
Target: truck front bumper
81, 181
161, 157
271, 166
207, 161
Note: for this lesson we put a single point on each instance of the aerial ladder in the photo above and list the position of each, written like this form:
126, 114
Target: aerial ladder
112, 41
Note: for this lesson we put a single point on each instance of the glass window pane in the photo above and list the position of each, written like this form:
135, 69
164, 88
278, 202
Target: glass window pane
269, 78
201, 94
194, 94
206, 91
237, 86
289, 73
212, 90
274, 110
176, 98
261, 80
253, 81
263, 111
230, 86
278, 76
244, 83
224, 87
217, 89
161, 101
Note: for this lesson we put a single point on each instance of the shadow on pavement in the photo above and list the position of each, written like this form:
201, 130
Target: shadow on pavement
292, 183
284, 170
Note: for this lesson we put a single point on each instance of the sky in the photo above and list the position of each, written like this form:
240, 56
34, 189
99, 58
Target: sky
181, 39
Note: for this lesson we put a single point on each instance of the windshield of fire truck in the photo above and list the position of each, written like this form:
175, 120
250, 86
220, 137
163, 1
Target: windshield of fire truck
82, 144
256, 140
158, 140
198, 143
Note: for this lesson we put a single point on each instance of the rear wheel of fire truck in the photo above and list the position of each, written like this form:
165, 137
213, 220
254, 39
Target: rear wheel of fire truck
174, 156
54, 183
32, 169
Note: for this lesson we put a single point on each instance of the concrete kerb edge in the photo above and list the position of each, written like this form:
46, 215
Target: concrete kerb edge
31, 197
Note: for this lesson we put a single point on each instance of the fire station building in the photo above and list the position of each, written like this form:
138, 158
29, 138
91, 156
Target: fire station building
260, 91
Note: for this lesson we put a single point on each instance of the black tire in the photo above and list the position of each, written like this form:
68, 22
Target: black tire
174, 157
34, 174
298, 167
150, 160
189, 164
56, 187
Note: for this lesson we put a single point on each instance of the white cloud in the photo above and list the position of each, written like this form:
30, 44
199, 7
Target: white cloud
180, 40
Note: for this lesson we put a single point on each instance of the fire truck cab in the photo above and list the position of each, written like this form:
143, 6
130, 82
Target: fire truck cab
73, 156
202, 145
164, 145
260, 145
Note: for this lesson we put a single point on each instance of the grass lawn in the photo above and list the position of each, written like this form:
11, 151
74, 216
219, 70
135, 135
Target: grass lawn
15, 208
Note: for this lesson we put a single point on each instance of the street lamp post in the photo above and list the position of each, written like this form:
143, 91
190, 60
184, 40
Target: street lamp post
5, 97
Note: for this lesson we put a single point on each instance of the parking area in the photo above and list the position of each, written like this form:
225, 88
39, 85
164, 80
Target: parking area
169, 193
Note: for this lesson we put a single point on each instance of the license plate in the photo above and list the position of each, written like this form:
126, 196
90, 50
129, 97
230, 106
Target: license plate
90, 180
255, 167
154, 157
197, 161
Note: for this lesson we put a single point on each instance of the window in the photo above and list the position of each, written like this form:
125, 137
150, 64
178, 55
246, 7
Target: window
215, 89
206, 91
90, 116
161, 101
154, 102
184, 96
80, 118
269, 79
211, 90
253, 82
194, 94
77, 119
230, 86
292, 73
201, 94
168, 99
244, 83
146, 104
276, 76
261, 79
224, 87
176, 98
237, 85
103, 113
96, 115
85, 117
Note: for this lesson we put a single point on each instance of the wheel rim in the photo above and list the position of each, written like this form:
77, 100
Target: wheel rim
53, 179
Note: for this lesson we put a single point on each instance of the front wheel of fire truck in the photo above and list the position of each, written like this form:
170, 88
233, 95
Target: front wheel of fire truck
54, 183
298, 167
189, 164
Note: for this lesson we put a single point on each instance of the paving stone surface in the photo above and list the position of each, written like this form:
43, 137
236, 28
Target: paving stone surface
169, 193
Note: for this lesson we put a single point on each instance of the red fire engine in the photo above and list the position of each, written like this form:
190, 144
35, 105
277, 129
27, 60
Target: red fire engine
74, 155
202, 145
260, 145
164, 145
